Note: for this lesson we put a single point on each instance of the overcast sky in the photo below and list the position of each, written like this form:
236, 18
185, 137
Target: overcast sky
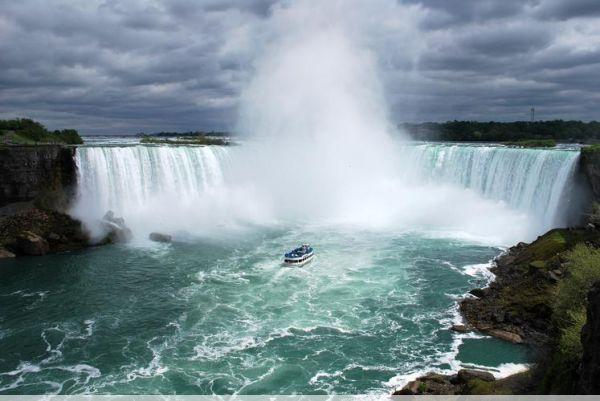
105, 66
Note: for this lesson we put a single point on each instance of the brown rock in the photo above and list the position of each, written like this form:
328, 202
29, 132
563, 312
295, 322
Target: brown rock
159, 237
4, 254
403, 391
410, 388
464, 375
460, 328
483, 327
32, 244
505, 335
436, 377
440, 388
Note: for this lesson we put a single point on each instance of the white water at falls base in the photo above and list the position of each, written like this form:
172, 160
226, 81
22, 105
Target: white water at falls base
489, 194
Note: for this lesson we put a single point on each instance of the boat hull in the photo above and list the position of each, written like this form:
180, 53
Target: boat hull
299, 261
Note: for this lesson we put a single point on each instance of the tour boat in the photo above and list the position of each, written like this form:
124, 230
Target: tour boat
299, 256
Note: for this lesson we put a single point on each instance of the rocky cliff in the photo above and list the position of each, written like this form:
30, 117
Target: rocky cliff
44, 174
590, 165
36, 186
589, 379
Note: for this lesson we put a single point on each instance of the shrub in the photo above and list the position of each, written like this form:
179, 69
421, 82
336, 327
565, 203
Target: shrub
69, 136
570, 339
571, 296
28, 132
569, 315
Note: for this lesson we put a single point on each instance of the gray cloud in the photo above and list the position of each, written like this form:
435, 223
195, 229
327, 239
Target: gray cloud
107, 66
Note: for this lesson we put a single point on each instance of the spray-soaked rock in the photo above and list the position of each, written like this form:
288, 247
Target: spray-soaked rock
115, 228
159, 237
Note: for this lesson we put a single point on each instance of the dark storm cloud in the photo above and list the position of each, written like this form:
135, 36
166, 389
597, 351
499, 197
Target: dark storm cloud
110, 66
563, 9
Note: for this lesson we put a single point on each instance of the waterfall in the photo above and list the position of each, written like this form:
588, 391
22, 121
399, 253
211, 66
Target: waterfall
142, 182
187, 187
534, 181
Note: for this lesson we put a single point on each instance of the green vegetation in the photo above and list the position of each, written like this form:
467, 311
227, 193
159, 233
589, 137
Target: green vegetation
570, 339
546, 246
191, 140
569, 316
533, 143
475, 131
583, 271
24, 131
591, 149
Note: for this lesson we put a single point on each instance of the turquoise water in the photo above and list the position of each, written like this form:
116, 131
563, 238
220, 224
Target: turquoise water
222, 315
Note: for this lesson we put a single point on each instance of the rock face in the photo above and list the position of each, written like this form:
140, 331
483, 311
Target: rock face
45, 174
158, 237
32, 244
36, 185
589, 379
590, 165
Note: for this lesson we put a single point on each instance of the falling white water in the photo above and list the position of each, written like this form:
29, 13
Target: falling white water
534, 181
156, 188
487, 193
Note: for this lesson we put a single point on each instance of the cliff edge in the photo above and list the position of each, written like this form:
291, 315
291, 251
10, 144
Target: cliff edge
43, 174
37, 184
590, 341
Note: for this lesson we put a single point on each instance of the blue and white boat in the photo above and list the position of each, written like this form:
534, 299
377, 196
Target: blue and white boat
299, 256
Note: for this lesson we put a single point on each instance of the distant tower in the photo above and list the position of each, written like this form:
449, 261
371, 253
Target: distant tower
532, 114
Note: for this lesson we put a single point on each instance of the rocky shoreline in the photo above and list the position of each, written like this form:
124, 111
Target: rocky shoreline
515, 307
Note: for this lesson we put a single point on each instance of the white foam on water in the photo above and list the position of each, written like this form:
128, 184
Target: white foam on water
501, 371
24, 367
